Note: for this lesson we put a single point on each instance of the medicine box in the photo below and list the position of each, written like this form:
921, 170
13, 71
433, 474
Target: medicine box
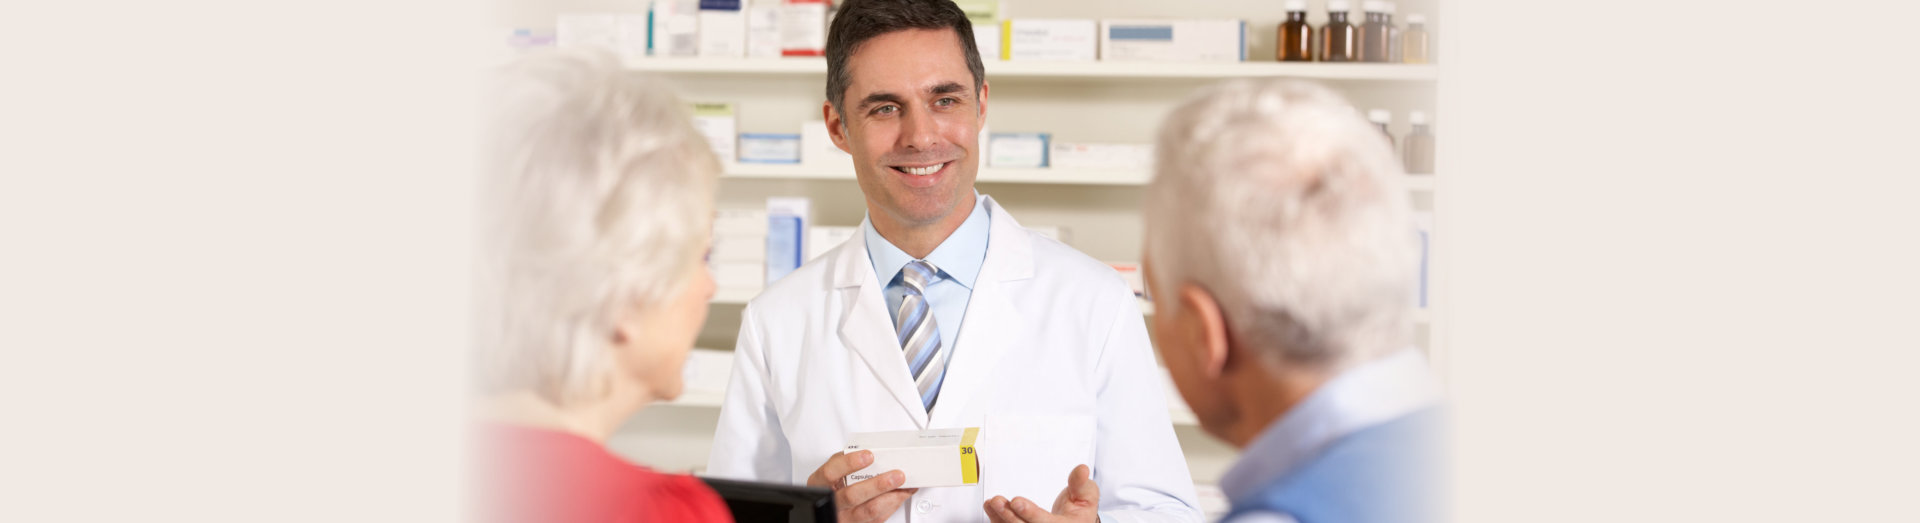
763, 30
1017, 150
821, 239
1173, 40
787, 220
803, 28
1114, 156
676, 28
1066, 40
929, 458
769, 148
723, 29
717, 122
817, 148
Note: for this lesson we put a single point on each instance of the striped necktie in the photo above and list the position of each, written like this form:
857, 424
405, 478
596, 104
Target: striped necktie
919, 335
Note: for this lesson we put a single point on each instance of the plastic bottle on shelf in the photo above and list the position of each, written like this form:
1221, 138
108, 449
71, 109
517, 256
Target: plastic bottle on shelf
1296, 37
1382, 117
1415, 45
1419, 145
1378, 36
1338, 39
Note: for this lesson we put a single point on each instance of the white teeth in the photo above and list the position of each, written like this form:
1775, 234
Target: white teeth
922, 171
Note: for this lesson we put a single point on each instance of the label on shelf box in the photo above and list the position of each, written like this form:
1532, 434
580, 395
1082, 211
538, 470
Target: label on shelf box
1101, 156
1173, 40
769, 148
763, 31
676, 28
723, 29
716, 122
803, 28
1049, 40
1017, 150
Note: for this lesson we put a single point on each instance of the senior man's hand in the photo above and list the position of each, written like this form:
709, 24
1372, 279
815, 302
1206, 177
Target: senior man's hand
1079, 502
871, 499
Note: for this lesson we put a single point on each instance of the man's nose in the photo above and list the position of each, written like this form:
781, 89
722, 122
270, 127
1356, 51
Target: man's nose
918, 131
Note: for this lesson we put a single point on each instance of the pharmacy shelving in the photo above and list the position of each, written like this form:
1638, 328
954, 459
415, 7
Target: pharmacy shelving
988, 175
1075, 102
1090, 70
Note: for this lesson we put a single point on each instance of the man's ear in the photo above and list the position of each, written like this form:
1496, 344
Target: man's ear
984, 87
1209, 326
836, 126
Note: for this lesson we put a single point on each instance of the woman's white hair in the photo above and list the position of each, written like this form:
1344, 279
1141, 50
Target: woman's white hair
1279, 200
598, 197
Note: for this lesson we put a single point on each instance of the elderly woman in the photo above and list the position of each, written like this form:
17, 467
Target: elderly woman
599, 197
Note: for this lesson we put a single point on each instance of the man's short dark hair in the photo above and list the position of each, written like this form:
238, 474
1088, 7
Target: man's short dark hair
862, 20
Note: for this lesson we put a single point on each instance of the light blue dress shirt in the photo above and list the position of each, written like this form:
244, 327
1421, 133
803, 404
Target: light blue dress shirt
1367, 395
959, 259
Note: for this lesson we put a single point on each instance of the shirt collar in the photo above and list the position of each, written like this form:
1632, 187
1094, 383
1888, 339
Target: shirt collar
1370, 394
959, 256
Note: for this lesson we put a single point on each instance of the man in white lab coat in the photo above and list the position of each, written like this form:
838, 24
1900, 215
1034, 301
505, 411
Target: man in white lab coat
946, 313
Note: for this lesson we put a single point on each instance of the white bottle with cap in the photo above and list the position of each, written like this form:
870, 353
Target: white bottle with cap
1418, 145
1382, 117
1416, 47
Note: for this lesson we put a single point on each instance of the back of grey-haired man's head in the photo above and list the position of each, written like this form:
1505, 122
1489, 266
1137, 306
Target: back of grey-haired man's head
1289, 208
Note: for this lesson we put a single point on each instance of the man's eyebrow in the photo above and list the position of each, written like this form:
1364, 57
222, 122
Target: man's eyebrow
877, 98
948, 88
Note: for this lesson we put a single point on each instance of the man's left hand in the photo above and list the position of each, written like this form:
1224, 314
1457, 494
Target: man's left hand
1079, 502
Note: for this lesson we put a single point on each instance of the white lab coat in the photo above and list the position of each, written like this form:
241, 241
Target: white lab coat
1052, 362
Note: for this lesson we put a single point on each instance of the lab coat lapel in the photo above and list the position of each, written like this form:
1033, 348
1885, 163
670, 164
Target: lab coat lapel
867, 329
994, 324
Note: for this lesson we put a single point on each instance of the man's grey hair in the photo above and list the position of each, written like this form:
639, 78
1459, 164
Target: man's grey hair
597, 198
1280, 201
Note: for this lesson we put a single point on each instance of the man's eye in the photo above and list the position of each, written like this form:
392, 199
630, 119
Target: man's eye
884, 109
947, 101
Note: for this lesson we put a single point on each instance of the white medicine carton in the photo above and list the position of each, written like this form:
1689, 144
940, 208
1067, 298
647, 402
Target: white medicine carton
1173, 40
930, 458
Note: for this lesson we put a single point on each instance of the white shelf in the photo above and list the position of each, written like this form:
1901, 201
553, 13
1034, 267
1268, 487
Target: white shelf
759, 171
733, 296
1021, 69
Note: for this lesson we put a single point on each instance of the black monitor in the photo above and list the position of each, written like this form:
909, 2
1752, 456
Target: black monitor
754, 502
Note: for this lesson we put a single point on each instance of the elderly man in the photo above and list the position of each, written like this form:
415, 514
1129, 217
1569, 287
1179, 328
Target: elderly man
1281, 258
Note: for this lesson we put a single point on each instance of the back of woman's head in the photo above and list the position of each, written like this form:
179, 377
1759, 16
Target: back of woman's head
597, 195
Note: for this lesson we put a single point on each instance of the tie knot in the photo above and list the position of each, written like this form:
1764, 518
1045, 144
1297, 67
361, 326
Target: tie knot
917, 273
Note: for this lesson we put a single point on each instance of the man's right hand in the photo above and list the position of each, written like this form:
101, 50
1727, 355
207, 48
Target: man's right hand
872, 499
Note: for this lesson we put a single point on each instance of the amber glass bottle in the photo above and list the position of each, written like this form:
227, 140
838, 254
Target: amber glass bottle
1378, 37
1415, 45
1296, 37
1419, 145
1339, 40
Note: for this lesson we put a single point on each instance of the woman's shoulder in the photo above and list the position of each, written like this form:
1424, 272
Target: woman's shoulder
556, 476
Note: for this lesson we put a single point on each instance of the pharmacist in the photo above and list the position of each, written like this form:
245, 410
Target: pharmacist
946, 313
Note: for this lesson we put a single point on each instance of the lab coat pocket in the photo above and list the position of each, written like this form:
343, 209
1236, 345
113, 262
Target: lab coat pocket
1031, 455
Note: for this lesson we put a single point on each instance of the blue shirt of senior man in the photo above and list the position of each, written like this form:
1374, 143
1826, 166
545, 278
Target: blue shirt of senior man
1363, 448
